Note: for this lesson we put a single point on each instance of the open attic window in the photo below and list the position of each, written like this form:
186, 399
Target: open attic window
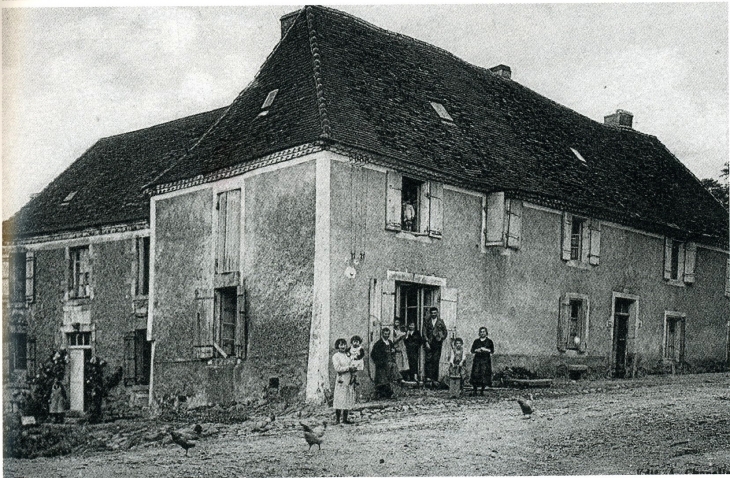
68, 198
441, 110
578, 155
268, 102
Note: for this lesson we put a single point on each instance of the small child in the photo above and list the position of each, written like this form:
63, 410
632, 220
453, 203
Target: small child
356, 354
457, 361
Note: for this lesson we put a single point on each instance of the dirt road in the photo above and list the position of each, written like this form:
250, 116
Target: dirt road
657, 425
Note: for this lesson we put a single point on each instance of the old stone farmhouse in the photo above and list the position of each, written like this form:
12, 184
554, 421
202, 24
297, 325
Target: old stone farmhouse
362, 176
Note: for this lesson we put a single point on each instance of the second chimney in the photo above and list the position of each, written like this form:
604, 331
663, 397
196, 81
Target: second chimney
287, 21
502, 70
620, 118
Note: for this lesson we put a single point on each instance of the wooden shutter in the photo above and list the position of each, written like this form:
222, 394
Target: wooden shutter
584, 326
495, 218
514, 224
690, 257
29, 276
233, 230
567, 227
667, 258
203, 325
448, 305
130, 365
222, 206
6, 275
375, 310
388, 302
30, 357
424, 207
563, 329
594, 253
241, 341
393, 201
436, 209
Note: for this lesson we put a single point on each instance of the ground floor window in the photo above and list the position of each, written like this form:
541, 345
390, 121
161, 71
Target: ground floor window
413, 302
674, 338
22, 352
137, 358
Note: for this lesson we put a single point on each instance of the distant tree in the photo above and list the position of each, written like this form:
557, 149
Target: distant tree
719, 189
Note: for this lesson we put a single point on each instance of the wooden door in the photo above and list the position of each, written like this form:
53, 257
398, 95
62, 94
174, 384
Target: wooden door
76, 379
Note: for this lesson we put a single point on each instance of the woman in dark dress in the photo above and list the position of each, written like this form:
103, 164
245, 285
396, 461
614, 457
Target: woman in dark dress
481, 370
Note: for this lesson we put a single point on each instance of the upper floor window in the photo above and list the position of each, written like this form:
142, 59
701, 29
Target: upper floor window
502, 221
17, 277
679, 261
229, 231
414, 206
581, 240
142, 266
79, 272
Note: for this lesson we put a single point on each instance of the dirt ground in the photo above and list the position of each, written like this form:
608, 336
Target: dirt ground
668, 424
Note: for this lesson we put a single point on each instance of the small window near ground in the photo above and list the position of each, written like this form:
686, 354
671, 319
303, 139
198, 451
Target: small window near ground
78, 339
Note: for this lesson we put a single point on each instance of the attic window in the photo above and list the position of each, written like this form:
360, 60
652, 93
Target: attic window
442, 112
268, 102
578, 155
68, 198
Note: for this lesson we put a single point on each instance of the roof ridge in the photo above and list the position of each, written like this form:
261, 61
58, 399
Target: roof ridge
159, 125
317, 71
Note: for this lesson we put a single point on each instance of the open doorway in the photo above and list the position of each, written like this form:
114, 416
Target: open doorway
624, 309
413, 302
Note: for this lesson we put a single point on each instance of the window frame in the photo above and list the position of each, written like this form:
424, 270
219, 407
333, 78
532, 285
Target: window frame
566, 342
428, 210
75, 271
679, 319
142, 266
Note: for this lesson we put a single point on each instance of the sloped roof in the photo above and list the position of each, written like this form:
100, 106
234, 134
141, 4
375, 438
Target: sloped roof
348, 85
108, 180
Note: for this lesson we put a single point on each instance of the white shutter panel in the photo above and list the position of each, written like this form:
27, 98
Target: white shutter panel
388, 303
424, 198
233, 230
594, 254
690, 258
563, 317
29, 276
514, 227
6, 275
203, 336
495, 218
567, 226
667, 258
585, 241
393, 201
436, 209
222, 206
584, 310
375, 310
448, 305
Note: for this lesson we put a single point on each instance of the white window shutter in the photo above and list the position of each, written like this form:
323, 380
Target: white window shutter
203, 335
495, 218
424, 203
241, 322
222, 206
514, 225
585, 241
6, 275
375, 310
594, 254
436, 213
388, 303
563, 316
29, 276
233, 231
667, 258
394, 187
567, 226
448, 307
690, 258
584, 327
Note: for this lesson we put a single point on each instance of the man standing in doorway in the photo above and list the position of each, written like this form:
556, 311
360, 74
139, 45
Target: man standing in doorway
435, 335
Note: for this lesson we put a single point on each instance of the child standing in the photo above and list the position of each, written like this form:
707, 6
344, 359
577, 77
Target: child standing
457, 361
356, 354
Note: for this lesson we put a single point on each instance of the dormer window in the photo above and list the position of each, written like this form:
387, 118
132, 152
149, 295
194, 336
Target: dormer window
441, 110
68, 198
268, 102
578, 155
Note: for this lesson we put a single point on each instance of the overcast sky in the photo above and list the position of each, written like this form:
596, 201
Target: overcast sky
74, 75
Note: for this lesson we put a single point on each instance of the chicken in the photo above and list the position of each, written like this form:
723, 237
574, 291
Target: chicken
186, 438
264, 425
314, 436
526, 405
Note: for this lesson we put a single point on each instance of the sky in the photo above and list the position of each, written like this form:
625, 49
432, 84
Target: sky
74, 75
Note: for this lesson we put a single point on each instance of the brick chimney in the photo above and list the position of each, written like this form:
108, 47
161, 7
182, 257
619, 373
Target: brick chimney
287, 20
502, 70
620, 118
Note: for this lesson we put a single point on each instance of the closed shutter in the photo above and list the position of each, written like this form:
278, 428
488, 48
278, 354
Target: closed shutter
495, 219
233, 231
393, 201
203, 327
6, 275
567, 227
241, 344
449, 307
424, 207
563, 318
436, 212
690, 258
667, 258
514, 227
222, 206
30, 358
29, 277
130, 365
375, 310
584, 310
594, 254
388, 303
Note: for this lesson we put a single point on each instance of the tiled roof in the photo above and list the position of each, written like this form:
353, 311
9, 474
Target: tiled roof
108, 180
351, 86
